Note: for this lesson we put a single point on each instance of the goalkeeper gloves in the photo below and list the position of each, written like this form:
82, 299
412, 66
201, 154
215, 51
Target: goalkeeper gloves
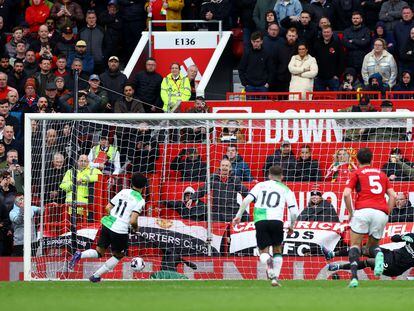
407, 238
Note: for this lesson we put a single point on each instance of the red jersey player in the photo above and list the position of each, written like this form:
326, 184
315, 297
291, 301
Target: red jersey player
370, 214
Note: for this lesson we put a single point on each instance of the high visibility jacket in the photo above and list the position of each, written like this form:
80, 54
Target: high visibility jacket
174, 91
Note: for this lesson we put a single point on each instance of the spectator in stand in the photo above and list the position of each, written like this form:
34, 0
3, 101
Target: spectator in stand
129, 104
329, 55
281, 58
94, 88
87, 102
3, 37
385, 129
17, 37
12, 166
30, 63
398, 168
17, 77
192, 72
60, 86
371, 9
66, 13
82, 54
51, 96
29, 100
343, 10
197, 210
6, 12
77, 64
244, 9
196, 134
111, 21
20, 53
171, 9
239, 168
321, 8
147, 84
405, 85
144, 151
2, 150
86, 177
307, 30
190, 11
216, 10
8, 118
270, 18
190, 164
318, 209
66, 42
225, 187
357, 40
4, 88
53, 33
304, 69
36, 14
290, 9
283, 157
44, 76
43, 40
133, 17
407, 54
231, 132
382, 62
53, 176
113, 79
272, 39
5, 64
260, 11
375, 84
390, 13
381, 33
6, 232
342, 166
7, 190
402, 30
403, 210
105, 157
2, 147
255, 66
174, 89
93, 35
17, 221
324, 22
61, 64
306, 169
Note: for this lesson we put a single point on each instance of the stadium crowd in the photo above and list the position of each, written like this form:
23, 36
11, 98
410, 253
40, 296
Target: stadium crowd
288, 46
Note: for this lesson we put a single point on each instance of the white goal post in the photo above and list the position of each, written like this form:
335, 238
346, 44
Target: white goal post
213, 123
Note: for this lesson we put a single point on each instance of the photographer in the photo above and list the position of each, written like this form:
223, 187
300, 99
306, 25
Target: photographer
12, 166
351, 82
398, 168
189, 163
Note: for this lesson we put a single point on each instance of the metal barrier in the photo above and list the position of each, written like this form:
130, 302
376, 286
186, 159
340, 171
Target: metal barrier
345, 95
399, 95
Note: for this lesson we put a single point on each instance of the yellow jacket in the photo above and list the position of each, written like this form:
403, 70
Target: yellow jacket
86, 176
173, 13
174, 92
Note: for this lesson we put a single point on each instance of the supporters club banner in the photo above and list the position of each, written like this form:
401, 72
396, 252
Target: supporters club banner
187, 236
84, 239
306, 236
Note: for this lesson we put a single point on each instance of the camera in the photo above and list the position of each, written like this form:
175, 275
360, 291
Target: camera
14, 161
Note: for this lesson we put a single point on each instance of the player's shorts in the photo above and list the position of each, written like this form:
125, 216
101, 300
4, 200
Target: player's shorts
117, 241
369, 221
268, 233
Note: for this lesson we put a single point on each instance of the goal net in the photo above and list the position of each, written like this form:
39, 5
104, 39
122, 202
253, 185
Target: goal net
199, 168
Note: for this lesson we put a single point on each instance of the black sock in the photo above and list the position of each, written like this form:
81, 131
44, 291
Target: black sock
354, 254
373, 251
347, 266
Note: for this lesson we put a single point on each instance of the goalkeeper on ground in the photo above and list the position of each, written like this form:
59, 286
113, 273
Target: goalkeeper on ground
396, 261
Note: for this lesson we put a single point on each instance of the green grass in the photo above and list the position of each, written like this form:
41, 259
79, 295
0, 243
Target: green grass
207, 295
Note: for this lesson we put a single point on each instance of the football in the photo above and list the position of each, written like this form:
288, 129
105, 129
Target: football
137, 264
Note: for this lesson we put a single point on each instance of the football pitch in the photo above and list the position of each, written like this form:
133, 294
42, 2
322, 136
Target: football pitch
207, 295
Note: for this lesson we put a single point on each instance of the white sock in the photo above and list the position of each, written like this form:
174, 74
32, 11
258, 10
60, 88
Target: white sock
277, 264
89, 253
106, 267
264, 257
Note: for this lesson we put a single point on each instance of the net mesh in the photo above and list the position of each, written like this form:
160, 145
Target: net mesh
186, 160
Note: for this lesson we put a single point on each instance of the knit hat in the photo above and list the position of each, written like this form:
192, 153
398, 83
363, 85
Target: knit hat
30, 82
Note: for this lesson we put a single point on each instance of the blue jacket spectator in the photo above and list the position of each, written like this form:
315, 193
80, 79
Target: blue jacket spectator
239, 168
80, 53
284, 9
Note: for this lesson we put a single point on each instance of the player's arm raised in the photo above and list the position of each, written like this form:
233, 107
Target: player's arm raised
246, 202
293, 210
